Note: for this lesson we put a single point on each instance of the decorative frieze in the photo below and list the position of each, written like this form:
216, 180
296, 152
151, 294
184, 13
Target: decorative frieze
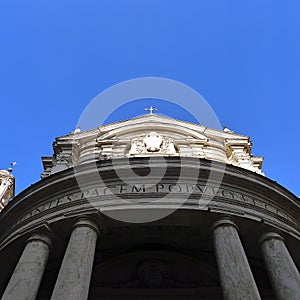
153, 135
243, 201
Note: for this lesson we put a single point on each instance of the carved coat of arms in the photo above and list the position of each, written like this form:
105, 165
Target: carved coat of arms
152, 143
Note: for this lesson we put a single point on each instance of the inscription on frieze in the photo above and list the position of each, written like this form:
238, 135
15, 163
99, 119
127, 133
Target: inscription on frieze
152, 190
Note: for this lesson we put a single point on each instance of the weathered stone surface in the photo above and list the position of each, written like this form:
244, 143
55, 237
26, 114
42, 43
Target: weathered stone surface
235, 274
184, 173
7, 187
152, 135
282, 271
26, 279
237, 195
73, 280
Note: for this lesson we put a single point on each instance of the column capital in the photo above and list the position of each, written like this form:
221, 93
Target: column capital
270, 235
87, 222
41, 237
224, 221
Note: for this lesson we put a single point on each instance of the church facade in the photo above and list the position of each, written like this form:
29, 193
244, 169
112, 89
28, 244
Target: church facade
153, 208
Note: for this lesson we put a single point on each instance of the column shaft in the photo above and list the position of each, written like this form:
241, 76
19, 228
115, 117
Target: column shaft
73, 280
282, 271
26, 278
234, 271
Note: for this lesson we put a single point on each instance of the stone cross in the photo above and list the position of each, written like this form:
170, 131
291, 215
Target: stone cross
151, 109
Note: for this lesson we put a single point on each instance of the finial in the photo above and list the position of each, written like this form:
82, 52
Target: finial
11, 167
227, 130
77, 129
151, 109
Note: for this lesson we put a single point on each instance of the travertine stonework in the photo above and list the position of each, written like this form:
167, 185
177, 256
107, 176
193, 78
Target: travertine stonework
151, 135
7, 188
234, 235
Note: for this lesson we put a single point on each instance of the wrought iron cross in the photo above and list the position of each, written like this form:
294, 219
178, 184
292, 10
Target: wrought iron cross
151, 109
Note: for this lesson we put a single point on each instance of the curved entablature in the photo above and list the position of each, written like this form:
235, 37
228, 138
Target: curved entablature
54, 226
151, 135
176, 207
58, 197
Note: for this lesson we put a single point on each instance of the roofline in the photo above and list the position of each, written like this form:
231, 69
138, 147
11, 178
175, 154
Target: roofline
145, 116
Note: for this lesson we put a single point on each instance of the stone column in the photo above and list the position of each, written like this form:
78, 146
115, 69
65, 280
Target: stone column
26, 278
234, 271
74, 276
283, 273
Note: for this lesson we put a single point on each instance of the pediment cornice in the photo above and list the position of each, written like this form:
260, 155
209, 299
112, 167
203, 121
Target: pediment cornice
169, 136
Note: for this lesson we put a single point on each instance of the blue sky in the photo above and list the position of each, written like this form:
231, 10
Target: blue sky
243, 57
